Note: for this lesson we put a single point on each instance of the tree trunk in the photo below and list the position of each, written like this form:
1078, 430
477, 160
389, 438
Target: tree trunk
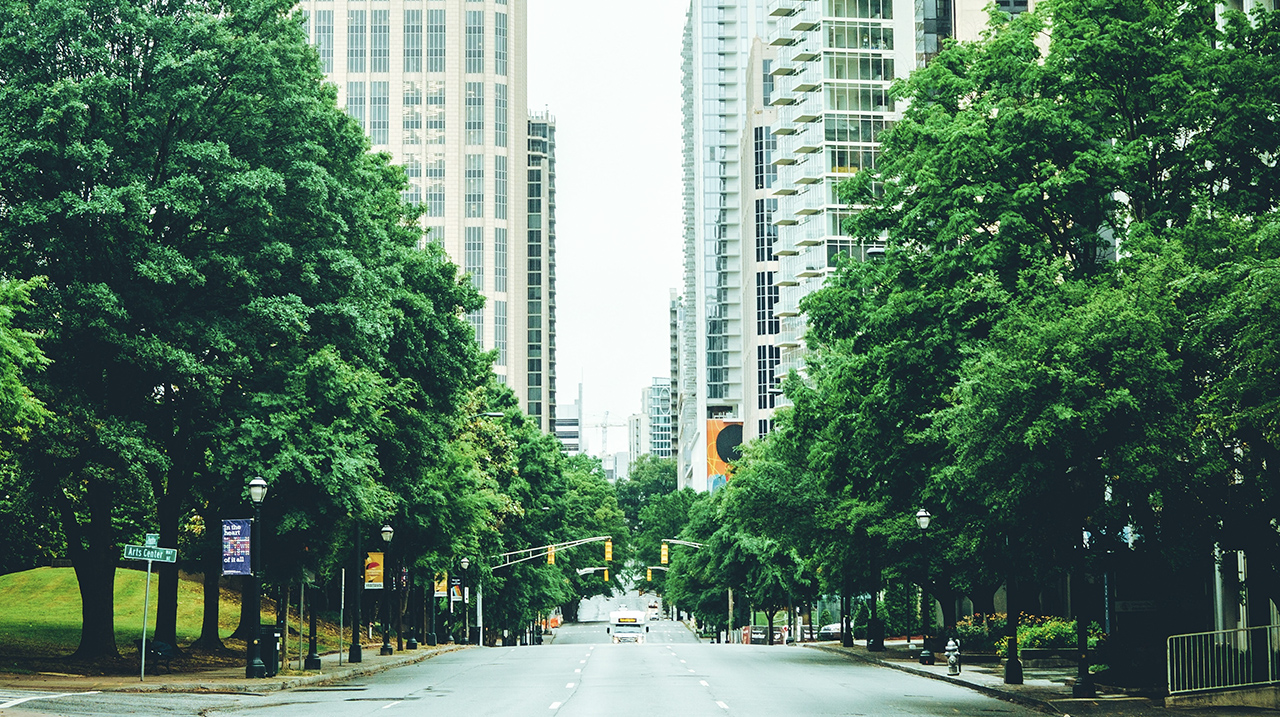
93, 554
768, 635
984, 599
209, 638
168, 513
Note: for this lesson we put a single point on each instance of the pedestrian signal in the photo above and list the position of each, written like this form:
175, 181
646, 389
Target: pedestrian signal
664, 553
551, 555
608, 550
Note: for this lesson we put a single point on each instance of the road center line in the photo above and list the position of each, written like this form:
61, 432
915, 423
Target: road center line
393, 704
721, 705
582, 662
13, 703
704, 683
691, 669
578, 670
683, 662
555, 705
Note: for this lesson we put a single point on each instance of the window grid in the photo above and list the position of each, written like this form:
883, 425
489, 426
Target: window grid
473, 255
380, 112
380, 41
500, 331
435, 114
355, 40
413, 171
500, 43
767, 360
475, 41
355, 102
499, 259
474, 176
413, 41
500, 187
767, 323
476, 319
766, 230
412, 107
435, 40
324, 39
475, 113
500, 115
434, 183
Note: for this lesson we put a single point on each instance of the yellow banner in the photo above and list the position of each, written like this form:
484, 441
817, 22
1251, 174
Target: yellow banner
442, 585
373, 564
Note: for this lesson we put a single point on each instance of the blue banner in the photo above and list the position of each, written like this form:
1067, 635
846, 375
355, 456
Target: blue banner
235, 547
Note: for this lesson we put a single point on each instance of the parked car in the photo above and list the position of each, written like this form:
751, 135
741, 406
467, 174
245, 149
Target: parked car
829, 632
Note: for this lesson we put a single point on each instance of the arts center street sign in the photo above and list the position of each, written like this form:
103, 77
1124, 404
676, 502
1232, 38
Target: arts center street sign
143, 552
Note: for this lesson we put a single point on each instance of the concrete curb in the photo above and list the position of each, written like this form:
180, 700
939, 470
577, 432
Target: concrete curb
1007, 696
277, 684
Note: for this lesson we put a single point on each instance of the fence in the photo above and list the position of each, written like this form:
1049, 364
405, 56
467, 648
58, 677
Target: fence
1222, 659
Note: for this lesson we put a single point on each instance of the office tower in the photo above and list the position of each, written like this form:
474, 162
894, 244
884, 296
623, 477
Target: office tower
541, 270
440, 85
569, 426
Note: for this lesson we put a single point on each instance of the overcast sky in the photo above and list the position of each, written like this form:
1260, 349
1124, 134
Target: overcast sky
609, 72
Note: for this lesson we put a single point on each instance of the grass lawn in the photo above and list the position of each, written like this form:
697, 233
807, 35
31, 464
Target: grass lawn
40, 620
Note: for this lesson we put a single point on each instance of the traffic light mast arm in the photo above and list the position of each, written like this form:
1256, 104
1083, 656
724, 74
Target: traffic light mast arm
520, 556
682, 542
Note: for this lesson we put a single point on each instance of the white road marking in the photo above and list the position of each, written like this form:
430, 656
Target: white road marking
582, 662
721, 705
13, 703
691, 669
393, 704
683, 662
555, 705
569, 686
704, 683
578, 670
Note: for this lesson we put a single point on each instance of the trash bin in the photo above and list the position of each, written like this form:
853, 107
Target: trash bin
269, 648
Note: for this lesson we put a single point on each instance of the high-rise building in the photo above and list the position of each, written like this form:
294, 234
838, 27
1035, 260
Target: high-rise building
570, 425
441, 86
541, 270
782, 100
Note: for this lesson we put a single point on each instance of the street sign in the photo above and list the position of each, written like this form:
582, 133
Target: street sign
152, 540
142, 552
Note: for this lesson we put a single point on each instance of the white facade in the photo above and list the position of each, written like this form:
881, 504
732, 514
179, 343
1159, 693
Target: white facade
569, 426
441, 86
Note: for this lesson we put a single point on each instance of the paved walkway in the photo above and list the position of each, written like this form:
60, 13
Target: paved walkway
227, 679
1047, 689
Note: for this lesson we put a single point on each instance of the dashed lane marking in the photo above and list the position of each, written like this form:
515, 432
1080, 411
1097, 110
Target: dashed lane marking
704, 683
555, 705
393, 704
569, 686
582, 662
721, 705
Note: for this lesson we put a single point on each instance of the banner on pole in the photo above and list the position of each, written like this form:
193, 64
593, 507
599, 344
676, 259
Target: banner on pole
442, 585
235, 547
373, 563
455, 590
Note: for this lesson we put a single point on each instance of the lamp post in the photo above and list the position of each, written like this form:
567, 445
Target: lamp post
926, 655
387, 533
1083, 686
356, 653
466, 618
254, 667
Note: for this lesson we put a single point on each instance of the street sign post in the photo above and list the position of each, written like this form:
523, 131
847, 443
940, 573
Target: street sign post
150, 553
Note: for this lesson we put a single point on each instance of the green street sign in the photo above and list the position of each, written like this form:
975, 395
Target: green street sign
142, 552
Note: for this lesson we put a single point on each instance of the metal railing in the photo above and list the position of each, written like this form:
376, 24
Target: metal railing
1223, 658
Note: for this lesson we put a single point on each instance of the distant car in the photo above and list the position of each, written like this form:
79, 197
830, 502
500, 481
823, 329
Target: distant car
829, 632
653, 605
655, 616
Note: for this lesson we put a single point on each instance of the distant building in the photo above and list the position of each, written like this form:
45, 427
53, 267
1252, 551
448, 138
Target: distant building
638, 434
569, 425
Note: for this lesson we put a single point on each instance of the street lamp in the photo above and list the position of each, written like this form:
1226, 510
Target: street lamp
387, 533
254, 667
356, 654
462, 586
926, 612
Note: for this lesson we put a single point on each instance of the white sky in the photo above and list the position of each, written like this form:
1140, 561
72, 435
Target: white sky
609, 72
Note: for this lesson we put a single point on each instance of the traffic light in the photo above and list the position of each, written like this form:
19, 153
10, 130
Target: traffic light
551, 555
664, 553
608, 550
606, 575
648, 574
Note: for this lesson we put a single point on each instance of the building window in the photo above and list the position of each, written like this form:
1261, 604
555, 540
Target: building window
355, 102
475, 41
474, 176
766, 299
435, 41
866, 9
324, 39
434, 183
500, 115
412, 103
435, 114
473, 255
380, 41
380, 112
500, 331
355, 41
766, 230
413, 41
767, 359
766, 83
475, 113
413, 171
500, 187
500, 259
476, 319
500, 43
764, 145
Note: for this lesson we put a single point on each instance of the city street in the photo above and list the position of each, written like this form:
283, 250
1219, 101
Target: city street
584, 674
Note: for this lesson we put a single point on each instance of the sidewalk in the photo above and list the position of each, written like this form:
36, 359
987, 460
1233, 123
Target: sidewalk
1047, 689
229, 679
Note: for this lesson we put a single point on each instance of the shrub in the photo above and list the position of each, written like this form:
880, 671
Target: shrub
986, 633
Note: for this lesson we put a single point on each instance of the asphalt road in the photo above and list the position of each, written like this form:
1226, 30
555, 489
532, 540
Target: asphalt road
583, 674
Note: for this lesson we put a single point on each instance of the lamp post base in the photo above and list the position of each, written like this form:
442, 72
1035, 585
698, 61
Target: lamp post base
312, 662
411, 644
355, 655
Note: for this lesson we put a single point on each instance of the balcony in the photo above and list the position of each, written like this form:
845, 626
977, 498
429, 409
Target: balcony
783, 8
811, 271
784, 130
783, 41
783, 70
783, 100
805, 55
